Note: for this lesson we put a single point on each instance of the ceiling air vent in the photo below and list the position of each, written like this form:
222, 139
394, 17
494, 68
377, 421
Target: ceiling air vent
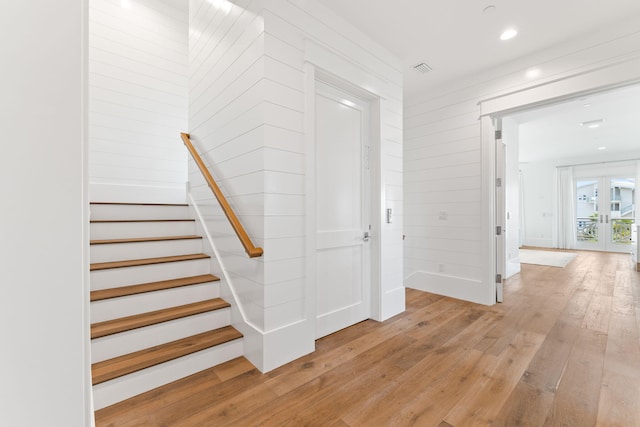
422, 67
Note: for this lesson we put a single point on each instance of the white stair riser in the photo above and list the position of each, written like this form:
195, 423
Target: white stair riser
126, 230
137, 250
98, 211
114, 308
138, 339
116, 277
122, 388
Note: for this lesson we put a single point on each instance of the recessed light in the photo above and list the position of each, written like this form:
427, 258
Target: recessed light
587, 105
508, 34
222, 5
489, 9
348, 103
592, 124
532, 73
125, 4
602, 148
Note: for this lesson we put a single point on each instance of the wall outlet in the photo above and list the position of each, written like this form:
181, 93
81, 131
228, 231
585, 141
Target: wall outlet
442, 216
440, 268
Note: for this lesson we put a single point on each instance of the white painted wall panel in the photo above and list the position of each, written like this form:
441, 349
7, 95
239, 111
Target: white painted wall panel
246, 118
44, 370
226, 123
301, 31
443, 157
137, 100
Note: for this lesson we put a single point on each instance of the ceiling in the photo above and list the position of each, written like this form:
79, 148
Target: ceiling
457, 39
555, 131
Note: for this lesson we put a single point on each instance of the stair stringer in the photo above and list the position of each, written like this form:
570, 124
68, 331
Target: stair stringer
266, 350
253, 334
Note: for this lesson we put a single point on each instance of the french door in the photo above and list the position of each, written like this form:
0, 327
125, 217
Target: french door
605, 213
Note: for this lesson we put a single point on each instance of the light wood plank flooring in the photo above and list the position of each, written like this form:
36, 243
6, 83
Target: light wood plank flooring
563, 350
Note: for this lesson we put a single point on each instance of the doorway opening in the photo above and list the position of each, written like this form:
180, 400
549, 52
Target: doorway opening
570, 171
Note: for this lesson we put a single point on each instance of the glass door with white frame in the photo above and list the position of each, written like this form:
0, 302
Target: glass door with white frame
605, 213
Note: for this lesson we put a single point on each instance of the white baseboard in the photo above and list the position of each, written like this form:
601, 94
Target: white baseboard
125, 193
392, 303
538, 242
450, 286
286, 344
272, 349
512, 267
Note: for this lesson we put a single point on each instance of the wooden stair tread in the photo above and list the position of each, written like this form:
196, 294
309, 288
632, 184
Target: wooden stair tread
144, 239
104, 221
138, 204
151, 287
129, 363
136, 321
145, 261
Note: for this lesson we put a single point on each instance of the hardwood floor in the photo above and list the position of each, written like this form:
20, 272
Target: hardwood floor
562, 350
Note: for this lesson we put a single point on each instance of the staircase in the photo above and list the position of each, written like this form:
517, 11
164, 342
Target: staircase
156, 315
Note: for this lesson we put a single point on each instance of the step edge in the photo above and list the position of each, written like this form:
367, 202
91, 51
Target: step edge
98, 266
143, 239
236, 336
121, 221
138, 204
133, 289
219, 304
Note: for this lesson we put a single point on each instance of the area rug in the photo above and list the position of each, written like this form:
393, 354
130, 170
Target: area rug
550, 258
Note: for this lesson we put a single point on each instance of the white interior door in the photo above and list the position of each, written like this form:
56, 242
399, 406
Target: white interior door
605, 213
342, 209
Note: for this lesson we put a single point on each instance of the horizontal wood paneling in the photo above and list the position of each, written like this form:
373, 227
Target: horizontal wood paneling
226, 125
442, 147
246, 118
137, 94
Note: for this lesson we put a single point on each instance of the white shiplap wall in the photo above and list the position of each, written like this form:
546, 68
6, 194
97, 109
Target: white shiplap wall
226, 57
137, 100
445, 212
247, 118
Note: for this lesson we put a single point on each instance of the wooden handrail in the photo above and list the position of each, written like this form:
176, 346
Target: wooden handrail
251, 250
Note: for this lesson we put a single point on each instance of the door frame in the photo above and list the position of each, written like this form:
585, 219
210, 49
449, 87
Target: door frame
501, 209
620, 74
313, 73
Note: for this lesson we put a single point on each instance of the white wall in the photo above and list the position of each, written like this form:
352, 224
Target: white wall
44, 363
538, 196
247, 118
137, 100
444, 158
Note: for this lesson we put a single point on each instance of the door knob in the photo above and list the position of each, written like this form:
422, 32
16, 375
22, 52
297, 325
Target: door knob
366, 236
